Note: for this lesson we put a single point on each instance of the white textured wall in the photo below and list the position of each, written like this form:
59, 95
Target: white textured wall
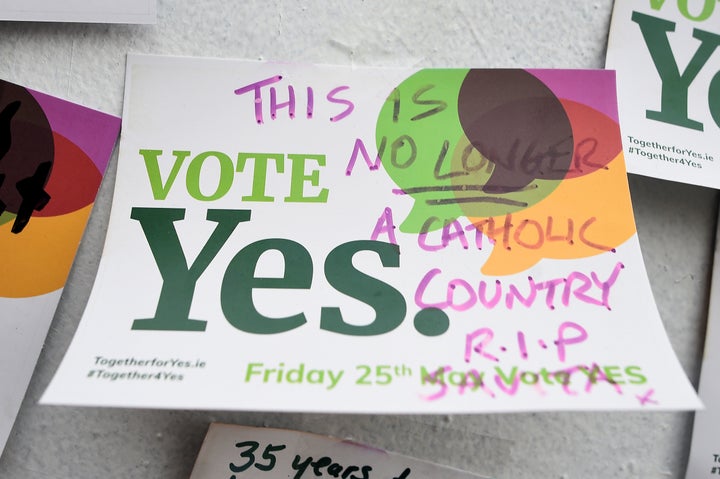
676, 224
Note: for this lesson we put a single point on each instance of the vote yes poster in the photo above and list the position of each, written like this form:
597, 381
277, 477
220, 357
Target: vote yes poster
345, 239
667, 57
53, 154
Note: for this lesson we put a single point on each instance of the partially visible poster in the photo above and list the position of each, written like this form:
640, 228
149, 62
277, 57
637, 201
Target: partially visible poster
704, 459
241, 452
53, 154
667, 57
340, 239
81, 11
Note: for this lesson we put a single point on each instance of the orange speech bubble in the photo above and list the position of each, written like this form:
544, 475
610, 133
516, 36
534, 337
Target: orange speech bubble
39, 259
585, 216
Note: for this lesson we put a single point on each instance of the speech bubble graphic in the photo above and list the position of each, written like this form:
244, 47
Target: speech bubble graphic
585, 216
26, 156
416, 127
518, 124
597, 139
427, 152
43, 253
541, 176
37, 265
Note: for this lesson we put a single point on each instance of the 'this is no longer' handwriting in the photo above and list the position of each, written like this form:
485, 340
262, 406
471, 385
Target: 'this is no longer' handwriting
265, 94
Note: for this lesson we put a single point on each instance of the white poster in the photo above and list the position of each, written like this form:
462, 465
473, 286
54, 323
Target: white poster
336, 239
53, 154
83, 11
667, 57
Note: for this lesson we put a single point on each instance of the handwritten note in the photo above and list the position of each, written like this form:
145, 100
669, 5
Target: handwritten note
52, 157
289, 237
667, 58
240, 452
